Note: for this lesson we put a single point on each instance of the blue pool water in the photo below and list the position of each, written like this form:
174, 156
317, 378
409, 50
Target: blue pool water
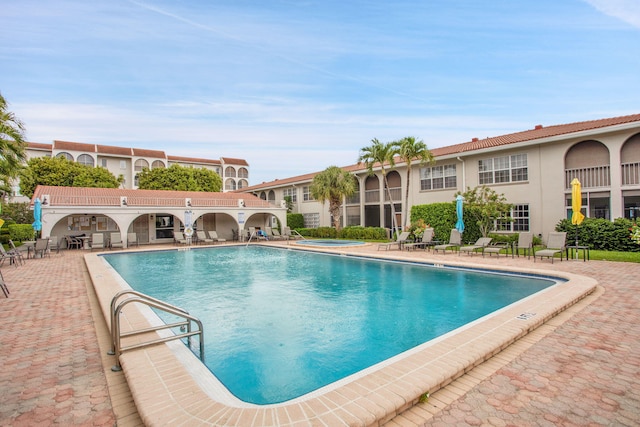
280, 323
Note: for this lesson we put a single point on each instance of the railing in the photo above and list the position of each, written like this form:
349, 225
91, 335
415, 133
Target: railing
396, 194
593, 177
630, 173
153, 201
185, 325
372, 196
353, 200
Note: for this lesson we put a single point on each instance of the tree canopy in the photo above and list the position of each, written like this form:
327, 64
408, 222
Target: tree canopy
60, 172
488, 205
12, 146
333, 185
179, 178
409, 150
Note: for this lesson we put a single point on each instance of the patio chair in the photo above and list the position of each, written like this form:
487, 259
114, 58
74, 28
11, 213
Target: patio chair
479, 245
525, 241
256, 234
277, 235
455, 241
74, 242
496, 248
132, 240
401, 240
424, 243
178, 238
17, 252
97, 241
213, 235
115, 241
271, 234
41, 247
555, 244
54, 244
3, 286
202, 237
4, 255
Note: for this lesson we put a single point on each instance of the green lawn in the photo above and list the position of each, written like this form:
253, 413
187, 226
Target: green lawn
615, 256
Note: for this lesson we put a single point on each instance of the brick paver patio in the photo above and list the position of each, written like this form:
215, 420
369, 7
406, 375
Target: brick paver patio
582, 371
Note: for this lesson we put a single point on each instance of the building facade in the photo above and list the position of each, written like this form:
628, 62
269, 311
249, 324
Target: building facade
129, 162
533, 169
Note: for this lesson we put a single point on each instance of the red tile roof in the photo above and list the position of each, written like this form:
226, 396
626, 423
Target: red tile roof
38, 146
193, 160
232, 161
74, 146
117, 151
143, 152
539, 132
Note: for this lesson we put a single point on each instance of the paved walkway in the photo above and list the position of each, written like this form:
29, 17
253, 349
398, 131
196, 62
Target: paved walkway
585, 371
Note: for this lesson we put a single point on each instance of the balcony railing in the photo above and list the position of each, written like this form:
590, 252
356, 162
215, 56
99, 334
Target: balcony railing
353, 200
630, 173
593, 177
372, 196
396, 194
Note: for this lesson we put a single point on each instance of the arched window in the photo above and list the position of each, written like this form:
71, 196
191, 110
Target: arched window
230, 172
263, 195
65, 155
157, 164
243, 183
243, 173
85, 159
141, 164
230, 184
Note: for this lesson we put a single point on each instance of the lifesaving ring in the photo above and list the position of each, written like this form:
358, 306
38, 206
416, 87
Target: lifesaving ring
188, 231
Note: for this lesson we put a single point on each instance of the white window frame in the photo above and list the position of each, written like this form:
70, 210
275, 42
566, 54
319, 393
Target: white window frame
503, 169
438, 177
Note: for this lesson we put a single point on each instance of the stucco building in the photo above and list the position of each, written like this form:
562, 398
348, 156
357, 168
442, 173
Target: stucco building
532, 168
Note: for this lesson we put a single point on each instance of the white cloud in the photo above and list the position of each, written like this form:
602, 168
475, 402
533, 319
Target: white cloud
625, 10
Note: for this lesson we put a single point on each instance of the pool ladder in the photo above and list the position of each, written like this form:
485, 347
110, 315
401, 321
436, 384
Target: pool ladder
185, 325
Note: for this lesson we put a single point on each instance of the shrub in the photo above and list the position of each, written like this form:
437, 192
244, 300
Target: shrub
601, 234
295, 221
363, 233
21, 232
442, 217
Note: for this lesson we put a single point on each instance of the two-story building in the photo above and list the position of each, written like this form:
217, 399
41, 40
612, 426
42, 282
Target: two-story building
532, 168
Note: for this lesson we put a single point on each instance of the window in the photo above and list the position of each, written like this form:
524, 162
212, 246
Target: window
291, 192
230, 184
306, 193
311, 220
242, 183
157, 164
140, 164
243, 173
230, 172
103, 163
503, 169
521, 219
123, 164
66, 156
85, 159
438, 177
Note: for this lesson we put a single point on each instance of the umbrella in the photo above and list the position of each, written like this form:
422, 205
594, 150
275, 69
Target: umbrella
576, 205
37, 215
460, 222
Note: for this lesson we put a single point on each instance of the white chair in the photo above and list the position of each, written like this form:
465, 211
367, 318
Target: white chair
97, 241
132, 240
116, 241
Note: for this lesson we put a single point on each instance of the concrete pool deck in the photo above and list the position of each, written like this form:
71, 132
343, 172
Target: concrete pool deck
578, 368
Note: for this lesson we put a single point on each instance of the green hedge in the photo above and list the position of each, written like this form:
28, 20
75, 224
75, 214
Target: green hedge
601, 234
295, 221
363, 233
442, 218
21, 232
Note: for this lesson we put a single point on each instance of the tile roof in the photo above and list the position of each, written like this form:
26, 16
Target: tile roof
539, 132
39, 146
110, 149
193, 160
81, 196
74, 146
232, 161
144, 152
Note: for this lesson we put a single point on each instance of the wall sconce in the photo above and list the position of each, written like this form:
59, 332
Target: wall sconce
123, 201
188, 202
45, 200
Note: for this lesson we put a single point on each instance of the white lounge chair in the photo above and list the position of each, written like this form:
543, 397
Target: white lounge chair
97, 241
555, 245
213, 235
202, 237
116, 241
455, 241
401, 240
479, 245
424, 243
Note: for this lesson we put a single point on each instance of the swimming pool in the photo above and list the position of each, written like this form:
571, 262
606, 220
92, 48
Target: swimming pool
277, 332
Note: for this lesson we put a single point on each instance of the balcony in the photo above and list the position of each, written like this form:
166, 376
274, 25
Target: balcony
396, 194
372, 196
630, 173
593, 177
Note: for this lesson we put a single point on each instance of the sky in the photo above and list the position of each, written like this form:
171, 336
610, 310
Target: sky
296, 86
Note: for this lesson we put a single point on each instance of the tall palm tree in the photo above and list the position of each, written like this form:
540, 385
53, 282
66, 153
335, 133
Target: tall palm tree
12, 146
382, 154
409, 150
333, 185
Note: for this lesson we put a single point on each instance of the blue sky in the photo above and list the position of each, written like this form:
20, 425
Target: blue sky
296, 86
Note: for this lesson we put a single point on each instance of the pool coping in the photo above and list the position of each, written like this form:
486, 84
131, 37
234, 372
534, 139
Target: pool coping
166, 392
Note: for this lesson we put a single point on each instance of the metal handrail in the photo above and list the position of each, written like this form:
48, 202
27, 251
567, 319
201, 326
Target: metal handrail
117, 349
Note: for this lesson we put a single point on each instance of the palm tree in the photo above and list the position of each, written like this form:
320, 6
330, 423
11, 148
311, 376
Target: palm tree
12, 146
333, 185
409, 149
379, 153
